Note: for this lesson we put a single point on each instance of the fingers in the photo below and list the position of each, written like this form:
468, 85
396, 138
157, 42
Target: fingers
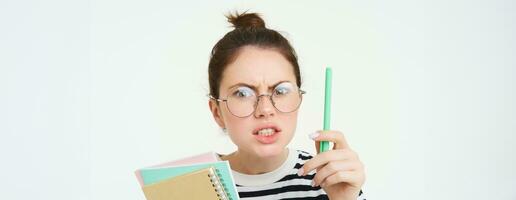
331, 168
323, 158
333, 136
340, 165
354, 178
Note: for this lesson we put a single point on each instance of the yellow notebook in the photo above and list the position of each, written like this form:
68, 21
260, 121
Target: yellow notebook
203, 184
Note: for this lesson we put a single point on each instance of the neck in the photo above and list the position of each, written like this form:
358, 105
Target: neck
247, 163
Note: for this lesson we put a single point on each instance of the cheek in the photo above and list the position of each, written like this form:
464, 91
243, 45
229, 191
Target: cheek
239, 130
235, 124
289, 123
291, 119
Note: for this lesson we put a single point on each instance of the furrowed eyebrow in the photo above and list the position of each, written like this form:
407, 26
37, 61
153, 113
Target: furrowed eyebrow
254, 87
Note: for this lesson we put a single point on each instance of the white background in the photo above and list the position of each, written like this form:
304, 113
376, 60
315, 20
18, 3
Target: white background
92, 90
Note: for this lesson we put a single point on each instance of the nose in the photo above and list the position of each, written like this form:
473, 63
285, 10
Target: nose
264, 107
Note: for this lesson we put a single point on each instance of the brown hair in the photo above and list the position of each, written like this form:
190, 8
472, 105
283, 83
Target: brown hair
249, 30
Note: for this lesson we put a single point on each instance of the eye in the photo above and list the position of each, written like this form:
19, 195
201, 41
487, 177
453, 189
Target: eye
283, 89
243, 92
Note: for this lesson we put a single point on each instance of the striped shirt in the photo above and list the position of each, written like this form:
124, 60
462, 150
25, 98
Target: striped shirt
282, 183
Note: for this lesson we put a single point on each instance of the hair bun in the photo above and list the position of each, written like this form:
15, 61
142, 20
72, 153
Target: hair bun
246, 20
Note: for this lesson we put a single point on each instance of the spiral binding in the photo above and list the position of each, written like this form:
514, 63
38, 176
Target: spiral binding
218, 185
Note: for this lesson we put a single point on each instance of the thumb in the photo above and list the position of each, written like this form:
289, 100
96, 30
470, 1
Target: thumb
317, 146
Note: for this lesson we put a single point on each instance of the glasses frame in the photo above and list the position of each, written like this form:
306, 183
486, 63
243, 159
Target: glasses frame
301, 92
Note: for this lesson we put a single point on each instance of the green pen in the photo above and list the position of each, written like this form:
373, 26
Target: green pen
325, 145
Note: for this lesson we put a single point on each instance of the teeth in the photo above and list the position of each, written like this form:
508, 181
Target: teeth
266, 132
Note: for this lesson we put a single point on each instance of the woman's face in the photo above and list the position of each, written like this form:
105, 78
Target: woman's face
266, 131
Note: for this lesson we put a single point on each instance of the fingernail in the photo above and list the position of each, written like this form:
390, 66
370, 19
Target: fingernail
313, 135
300, 172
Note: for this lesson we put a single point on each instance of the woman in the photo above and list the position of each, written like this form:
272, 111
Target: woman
255, 94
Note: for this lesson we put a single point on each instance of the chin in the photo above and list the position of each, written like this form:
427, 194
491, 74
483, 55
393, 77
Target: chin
269, 150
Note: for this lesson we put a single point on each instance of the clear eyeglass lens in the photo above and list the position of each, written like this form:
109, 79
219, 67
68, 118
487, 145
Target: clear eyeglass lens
286, 97
242, 101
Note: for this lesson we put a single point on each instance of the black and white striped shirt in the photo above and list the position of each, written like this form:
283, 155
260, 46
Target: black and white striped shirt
282, 183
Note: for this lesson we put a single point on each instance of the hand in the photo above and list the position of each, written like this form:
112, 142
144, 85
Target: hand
339, 171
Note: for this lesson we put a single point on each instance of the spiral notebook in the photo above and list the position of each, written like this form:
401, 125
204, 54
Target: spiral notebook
196, 159
212, 180
206, 181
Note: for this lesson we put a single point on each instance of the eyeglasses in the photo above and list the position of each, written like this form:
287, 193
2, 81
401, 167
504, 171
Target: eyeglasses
242, 101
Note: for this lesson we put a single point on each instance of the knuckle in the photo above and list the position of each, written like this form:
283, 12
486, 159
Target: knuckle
331, 166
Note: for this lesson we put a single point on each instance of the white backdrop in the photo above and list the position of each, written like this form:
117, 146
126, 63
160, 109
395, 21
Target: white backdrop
92, 90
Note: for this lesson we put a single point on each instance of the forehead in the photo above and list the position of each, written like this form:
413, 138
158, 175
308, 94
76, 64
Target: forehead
258, 67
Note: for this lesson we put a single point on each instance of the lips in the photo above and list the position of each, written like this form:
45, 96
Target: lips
267, 134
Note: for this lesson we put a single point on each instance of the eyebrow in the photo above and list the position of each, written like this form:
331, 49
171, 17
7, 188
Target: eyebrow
256, 88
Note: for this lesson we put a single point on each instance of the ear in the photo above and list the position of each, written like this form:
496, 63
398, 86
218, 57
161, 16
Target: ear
216, 112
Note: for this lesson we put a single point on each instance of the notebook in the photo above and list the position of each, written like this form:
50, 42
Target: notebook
200, 158
222, 169
207, 186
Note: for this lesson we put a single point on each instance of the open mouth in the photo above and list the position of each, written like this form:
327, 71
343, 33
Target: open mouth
267, 135
266, 132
